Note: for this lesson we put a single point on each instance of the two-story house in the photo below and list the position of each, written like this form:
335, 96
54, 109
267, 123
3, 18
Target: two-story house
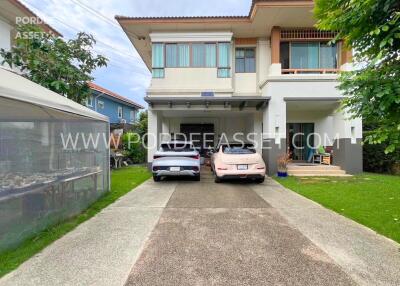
270, 75
121, 111
12, 13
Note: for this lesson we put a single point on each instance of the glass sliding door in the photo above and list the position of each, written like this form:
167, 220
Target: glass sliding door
304, 55
300, 140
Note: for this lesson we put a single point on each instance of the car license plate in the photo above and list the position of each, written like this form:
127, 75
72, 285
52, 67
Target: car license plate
242, 167
175, 169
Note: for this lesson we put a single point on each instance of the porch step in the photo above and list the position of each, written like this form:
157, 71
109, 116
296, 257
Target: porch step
315, 170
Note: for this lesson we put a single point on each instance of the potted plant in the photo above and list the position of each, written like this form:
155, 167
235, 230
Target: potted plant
283, 161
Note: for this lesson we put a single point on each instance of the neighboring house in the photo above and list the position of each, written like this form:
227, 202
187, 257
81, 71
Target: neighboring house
270, 73
121, 111
12, 11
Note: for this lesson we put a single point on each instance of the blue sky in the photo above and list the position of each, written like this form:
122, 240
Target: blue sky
126, 73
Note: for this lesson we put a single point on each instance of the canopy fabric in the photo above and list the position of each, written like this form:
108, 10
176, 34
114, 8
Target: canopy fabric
16, 87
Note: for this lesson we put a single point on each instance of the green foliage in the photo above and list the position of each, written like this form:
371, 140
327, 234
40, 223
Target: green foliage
133, 142
370, 199
372, 29
133, 148
376, 160
64, 67
122, 181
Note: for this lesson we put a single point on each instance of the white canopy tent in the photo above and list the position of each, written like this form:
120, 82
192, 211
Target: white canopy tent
22, 93
44, 177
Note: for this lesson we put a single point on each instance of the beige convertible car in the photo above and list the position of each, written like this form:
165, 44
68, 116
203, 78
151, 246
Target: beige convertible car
237, 161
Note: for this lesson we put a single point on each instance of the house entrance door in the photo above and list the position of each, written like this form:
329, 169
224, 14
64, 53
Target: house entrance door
300, 140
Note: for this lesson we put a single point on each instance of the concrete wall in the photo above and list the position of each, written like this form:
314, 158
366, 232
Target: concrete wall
5, 35
196, 79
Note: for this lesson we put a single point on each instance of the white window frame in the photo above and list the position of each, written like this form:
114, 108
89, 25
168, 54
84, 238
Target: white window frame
132, 115
100, 104
91, 101
120, 112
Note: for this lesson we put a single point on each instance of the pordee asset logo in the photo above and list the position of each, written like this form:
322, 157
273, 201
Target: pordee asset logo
101, 140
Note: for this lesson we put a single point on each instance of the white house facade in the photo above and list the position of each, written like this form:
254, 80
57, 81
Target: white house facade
269, 77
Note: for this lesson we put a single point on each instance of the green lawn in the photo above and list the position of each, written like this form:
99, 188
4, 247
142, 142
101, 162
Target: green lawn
370, 199
122, 181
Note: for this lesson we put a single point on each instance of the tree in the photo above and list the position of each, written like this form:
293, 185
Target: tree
140, 126
64, 67
133, 141
372, 29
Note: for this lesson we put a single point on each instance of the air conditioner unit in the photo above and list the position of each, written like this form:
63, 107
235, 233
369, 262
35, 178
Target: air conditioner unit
122, 121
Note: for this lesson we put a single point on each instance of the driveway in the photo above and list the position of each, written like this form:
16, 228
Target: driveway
226, 234
202, 233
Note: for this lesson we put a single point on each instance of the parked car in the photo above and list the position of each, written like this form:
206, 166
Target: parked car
176, 158
236, 160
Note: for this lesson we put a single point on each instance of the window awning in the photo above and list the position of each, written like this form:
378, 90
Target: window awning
240, 102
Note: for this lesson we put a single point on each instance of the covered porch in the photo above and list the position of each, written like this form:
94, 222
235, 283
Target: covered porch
205, 120
315, 129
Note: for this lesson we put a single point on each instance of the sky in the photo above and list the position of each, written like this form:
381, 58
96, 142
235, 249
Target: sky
126, 74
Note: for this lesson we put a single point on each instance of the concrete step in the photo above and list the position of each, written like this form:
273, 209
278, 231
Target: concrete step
319, 175
313, 167
305, 171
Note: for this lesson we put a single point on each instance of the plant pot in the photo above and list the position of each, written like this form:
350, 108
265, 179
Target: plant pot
282, 174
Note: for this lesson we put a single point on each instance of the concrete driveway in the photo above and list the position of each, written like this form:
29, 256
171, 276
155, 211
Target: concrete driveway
202, 233
226, 234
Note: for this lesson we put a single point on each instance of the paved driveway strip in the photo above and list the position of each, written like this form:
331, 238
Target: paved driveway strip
369, 258
225, 234
102, 250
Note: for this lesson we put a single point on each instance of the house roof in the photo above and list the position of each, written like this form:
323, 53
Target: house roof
254, 5
114, 95
10, 9
263, 15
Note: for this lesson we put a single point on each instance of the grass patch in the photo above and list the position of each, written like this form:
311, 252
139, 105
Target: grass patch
122, 182
370, 199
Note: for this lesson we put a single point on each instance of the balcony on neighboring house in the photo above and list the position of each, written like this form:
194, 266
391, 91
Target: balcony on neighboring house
306, 51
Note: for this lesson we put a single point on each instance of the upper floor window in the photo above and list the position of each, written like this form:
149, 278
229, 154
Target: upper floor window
100, 104
199, 55
308, 55
120, 112
89, 101
132, 116
245, 61
224, 60
158, 60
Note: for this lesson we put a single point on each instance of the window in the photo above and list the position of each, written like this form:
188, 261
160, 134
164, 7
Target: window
180, 55
132, 116
100, 104
171, 55
245, 60
158, 60
183, 55
198, 55
308, 55
177, 55
120, 112
89, 101
224, 60
304, 55
204, 55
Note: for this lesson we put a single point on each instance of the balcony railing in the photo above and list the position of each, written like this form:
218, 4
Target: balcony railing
310, 71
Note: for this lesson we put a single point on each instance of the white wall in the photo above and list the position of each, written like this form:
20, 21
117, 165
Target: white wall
317, 86
246, 83
200, 79
5, 35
